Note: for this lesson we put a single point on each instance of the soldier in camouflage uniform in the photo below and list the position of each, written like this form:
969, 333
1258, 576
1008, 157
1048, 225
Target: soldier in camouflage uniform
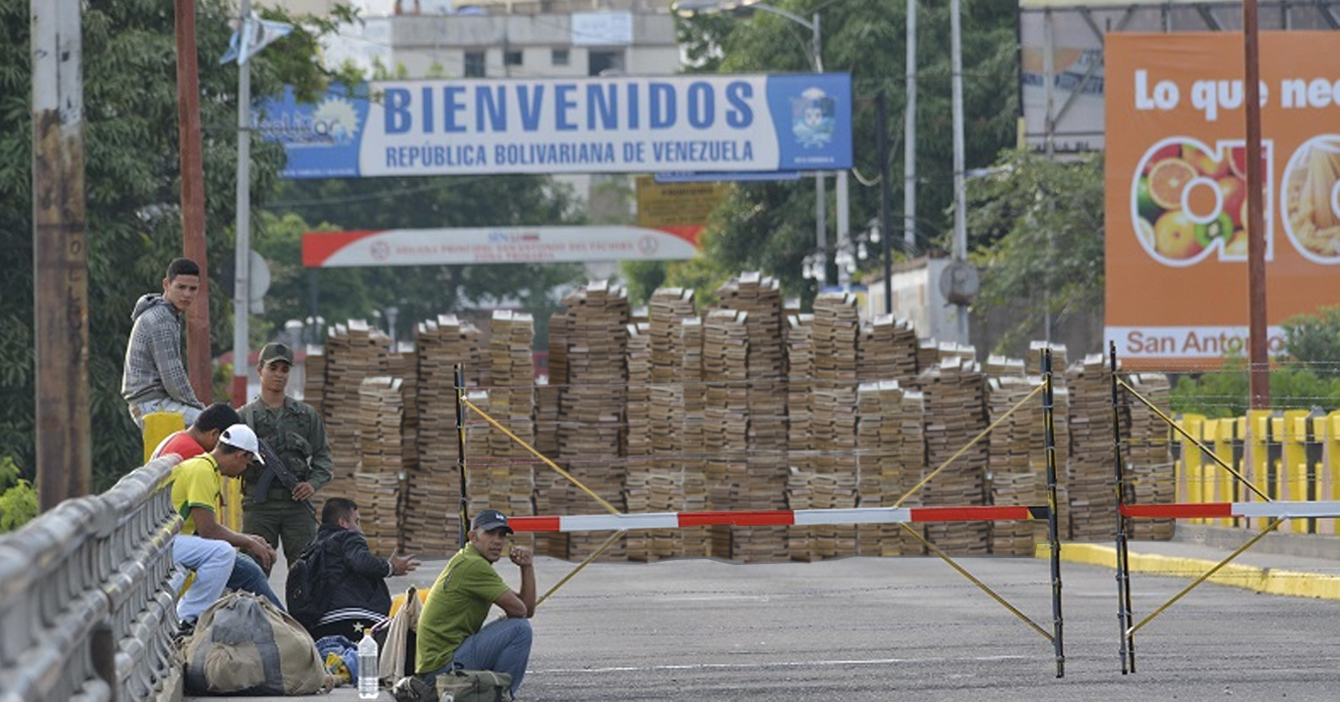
295, 431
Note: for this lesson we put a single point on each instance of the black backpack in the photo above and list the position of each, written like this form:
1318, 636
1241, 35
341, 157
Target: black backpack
302, 590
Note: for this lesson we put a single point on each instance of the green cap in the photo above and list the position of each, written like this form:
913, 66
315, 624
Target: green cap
276, 352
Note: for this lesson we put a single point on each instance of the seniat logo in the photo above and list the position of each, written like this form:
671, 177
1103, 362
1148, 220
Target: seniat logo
1189, 200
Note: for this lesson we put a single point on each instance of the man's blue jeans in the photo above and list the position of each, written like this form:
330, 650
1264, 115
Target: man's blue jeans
247, 575
502, 646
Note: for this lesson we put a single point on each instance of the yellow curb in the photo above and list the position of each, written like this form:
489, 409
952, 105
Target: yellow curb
1266, 580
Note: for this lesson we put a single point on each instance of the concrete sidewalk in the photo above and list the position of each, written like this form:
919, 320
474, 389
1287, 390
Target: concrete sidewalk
1297, 565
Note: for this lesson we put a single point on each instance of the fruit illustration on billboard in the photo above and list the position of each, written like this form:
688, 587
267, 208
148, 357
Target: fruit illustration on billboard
1188, 200
1311, 199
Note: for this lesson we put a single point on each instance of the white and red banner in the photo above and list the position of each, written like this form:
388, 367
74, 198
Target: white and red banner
482, 245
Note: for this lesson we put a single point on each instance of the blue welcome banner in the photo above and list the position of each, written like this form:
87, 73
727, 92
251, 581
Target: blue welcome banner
720, 123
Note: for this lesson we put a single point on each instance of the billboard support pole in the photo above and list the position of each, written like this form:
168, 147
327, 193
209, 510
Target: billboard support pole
910, 138
193, 197
1258, 360
242, 241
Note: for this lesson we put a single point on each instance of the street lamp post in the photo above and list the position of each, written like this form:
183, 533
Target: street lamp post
689, 8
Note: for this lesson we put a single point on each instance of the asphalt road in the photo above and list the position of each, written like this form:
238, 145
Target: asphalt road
865, 629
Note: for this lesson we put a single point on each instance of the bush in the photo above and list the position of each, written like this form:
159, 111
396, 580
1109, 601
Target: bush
18, 501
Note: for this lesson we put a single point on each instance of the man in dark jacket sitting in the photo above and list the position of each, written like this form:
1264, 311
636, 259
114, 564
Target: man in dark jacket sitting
352, 593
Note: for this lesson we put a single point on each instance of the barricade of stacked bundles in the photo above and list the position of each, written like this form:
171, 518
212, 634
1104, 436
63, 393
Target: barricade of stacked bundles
431, 518
591, 414
510, 464
726, 420
691, 333
638, 441
354, 351
890, 453
833, 420
954, 414
800, 429
1010, 464
314, 371
546, 422
1091, 476
667, 415
1150, 478
377, 483
760, 479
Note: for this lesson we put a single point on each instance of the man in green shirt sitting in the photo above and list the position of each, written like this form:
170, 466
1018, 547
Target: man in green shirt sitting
451, 628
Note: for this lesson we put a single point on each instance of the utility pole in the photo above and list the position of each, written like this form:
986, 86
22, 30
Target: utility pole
60, 254
242, 256
960, 198
193, 198
910, 135
885, 193
1258, 354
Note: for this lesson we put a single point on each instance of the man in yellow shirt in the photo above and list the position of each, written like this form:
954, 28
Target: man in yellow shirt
197, 495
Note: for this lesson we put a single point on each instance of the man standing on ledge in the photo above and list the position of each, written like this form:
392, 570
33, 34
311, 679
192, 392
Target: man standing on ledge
294, 430
451, 628
154, 378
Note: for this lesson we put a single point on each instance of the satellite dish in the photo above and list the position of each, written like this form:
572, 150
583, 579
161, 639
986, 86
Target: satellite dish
958, 283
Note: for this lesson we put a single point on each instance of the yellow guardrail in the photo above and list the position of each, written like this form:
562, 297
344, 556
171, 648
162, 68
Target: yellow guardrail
1291, 455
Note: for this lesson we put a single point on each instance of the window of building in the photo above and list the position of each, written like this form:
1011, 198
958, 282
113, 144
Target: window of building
561, 57
512, 58
474, 64
604, 63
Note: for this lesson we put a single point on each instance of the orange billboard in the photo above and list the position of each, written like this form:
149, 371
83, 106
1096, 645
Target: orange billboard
1176, 240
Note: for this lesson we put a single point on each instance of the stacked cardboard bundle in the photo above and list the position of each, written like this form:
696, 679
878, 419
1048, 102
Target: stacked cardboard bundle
1093, 500
512, 399
955, 413
693, 438
928, 353
760, 298
431, 521
638, 407
949, 349
1034, 360
496, 478
1150, 478
1004, 365
725, 354
381, 409
549, 395
887, 349
591, 412
1010, 464
800, 431
910, 459
664, 481
403, 363
638, 440
833, 419
378, 499
377, 483
353, 352
313, 389
881, 479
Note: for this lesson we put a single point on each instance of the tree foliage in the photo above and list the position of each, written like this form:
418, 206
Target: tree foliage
1036, 226
771, 226
1314, 340
133, 183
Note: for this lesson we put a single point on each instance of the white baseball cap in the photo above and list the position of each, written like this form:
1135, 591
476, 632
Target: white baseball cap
242, 437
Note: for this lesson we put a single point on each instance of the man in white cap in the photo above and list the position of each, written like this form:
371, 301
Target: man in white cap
196, 495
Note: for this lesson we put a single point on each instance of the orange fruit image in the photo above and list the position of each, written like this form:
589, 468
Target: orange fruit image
1175, 236
1203, 162
1167, 179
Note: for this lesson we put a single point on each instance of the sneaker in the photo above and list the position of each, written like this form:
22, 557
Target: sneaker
184, 630
413, 689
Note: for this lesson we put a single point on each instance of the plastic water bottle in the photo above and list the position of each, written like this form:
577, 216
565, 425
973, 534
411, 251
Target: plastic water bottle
367, 667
